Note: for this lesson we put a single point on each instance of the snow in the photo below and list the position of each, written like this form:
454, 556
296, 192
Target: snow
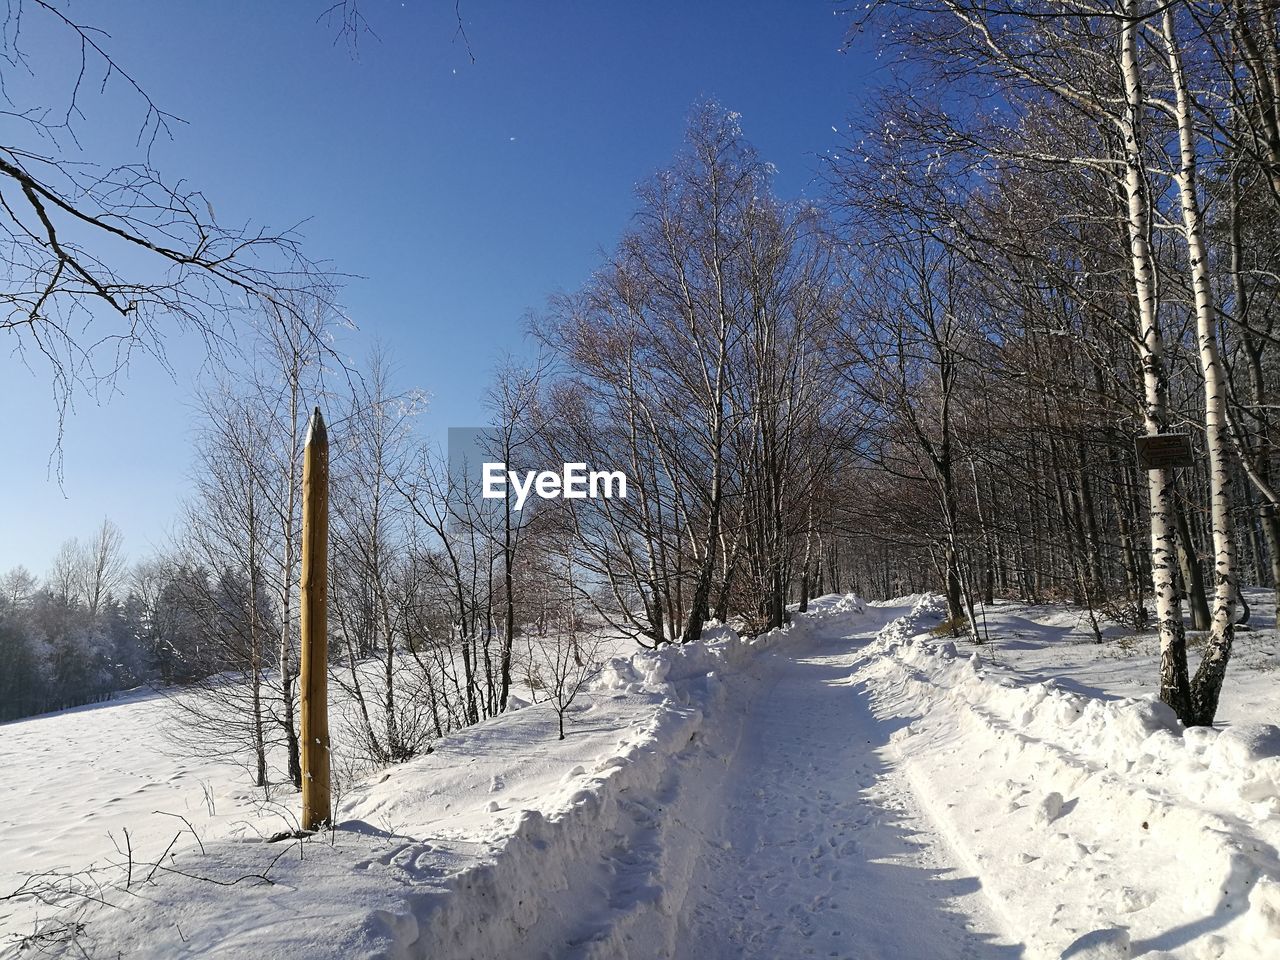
1085, 815
822, 848
76, 780
848, 786
1037, 642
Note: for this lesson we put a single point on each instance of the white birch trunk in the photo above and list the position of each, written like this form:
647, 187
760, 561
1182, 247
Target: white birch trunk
1208, 680
1174, 683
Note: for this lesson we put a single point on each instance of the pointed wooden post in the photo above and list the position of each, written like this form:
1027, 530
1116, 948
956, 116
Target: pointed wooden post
314, 602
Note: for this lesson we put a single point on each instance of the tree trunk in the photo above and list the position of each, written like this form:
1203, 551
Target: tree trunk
1207, 684
1175, 688
1192, 576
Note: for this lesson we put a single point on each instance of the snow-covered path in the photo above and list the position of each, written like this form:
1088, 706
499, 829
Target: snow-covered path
822, 849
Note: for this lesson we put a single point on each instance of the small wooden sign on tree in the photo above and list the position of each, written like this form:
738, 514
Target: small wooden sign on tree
1162, 450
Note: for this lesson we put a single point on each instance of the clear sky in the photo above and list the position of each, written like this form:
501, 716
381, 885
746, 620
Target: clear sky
463, 194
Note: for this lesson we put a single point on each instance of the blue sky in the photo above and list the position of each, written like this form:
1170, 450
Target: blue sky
462, 194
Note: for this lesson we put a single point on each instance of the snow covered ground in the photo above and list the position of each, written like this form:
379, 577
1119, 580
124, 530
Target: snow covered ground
91, 786
851, 786
1098, 827
822, 848
1035, 642
77, 780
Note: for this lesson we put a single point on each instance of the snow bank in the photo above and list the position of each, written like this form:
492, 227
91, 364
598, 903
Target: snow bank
670, 668
1085, 817
504, 842
608, 837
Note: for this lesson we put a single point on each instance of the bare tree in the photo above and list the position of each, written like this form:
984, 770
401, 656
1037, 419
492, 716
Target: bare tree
64, 575
567, 651
102, 566
514, 400
108, 261
371, 593
225, 548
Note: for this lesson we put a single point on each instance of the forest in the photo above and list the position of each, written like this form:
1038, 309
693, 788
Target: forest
1053, 232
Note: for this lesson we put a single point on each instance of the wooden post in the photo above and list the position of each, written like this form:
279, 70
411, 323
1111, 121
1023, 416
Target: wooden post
314, 602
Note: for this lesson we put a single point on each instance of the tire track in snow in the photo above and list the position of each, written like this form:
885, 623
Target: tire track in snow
822, 849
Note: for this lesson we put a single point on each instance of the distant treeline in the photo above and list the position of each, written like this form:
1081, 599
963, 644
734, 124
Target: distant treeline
91, 627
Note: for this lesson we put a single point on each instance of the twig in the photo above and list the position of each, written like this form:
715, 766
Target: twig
164, 813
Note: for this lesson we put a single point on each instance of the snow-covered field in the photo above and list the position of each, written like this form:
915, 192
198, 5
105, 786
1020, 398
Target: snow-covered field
850, 786
76, 781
